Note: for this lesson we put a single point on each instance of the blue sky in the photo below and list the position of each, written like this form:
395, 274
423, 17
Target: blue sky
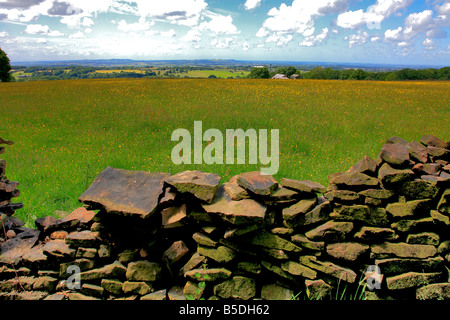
371, 31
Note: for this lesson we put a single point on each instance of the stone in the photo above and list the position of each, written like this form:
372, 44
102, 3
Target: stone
92, 290
417, 152
403, 250
193, 262
257, 183
354, 181
370, 215
176, 293
410, 209
294, 215
60, 234
193, 290
330, 231
74, 296
200, 184
438, 153
203, 240
249, 267
234, 190
434, 291
402, 265
318, 289
444, 204
143, 271
439, 218
156, 296
83, 264
406, 225
342, 196
45, 283
305, 186
45, 222
112, 286
84, 238
236, 232
114, 270
208, 275
127, 255
297, 269
304, 242
13, 250
173, 216
35, 257
175, 252
411, 280
419, 189
140, 288
430, 140
366, 165
169, 197
396, 154
125, 192
55, 297
390, 177
427, 168
58, 248
272, 241
238, 287
329, 268
245, 211
283, 195
220, 254
81, 214
375, 234
349, 251
276, 292
278, 271
424, 238
104, 251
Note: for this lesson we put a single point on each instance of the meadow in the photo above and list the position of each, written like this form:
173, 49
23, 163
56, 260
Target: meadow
66, 132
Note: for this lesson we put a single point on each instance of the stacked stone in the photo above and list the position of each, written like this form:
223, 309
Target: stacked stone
153, 236
8, 191
388, 207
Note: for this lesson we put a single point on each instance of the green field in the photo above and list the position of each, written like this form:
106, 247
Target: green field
224, 74
66, 132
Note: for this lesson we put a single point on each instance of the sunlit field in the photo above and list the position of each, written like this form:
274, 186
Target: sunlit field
66, 132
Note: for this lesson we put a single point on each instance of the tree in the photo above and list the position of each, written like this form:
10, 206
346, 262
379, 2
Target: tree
5, 67
259, 73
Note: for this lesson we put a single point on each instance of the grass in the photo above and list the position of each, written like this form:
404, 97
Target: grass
224, 74
67, 132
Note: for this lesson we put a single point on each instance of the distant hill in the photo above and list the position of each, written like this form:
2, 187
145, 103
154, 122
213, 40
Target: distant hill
216, 63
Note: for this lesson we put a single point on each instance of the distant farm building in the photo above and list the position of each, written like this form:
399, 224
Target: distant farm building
279, 76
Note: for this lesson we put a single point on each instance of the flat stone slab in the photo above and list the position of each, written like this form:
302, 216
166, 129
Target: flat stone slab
245, 211
395, 154
257, 183
200, 184
125, 192
303, 186
12, 251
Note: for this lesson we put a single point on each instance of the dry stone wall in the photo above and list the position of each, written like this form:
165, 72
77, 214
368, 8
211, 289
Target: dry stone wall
380, 230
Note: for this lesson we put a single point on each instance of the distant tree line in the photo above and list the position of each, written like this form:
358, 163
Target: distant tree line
354, 74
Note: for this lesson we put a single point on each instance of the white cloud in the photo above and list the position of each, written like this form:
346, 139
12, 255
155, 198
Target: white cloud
183, 12
299, 18
252, 4
374, 14
141, 25
358, 39
311, 41
280, 40
87, 22
3, 34
192, 35
77, 35
222, 43
219, 24
39, 29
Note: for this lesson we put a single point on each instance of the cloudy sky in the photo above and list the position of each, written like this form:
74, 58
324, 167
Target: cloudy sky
377, 31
